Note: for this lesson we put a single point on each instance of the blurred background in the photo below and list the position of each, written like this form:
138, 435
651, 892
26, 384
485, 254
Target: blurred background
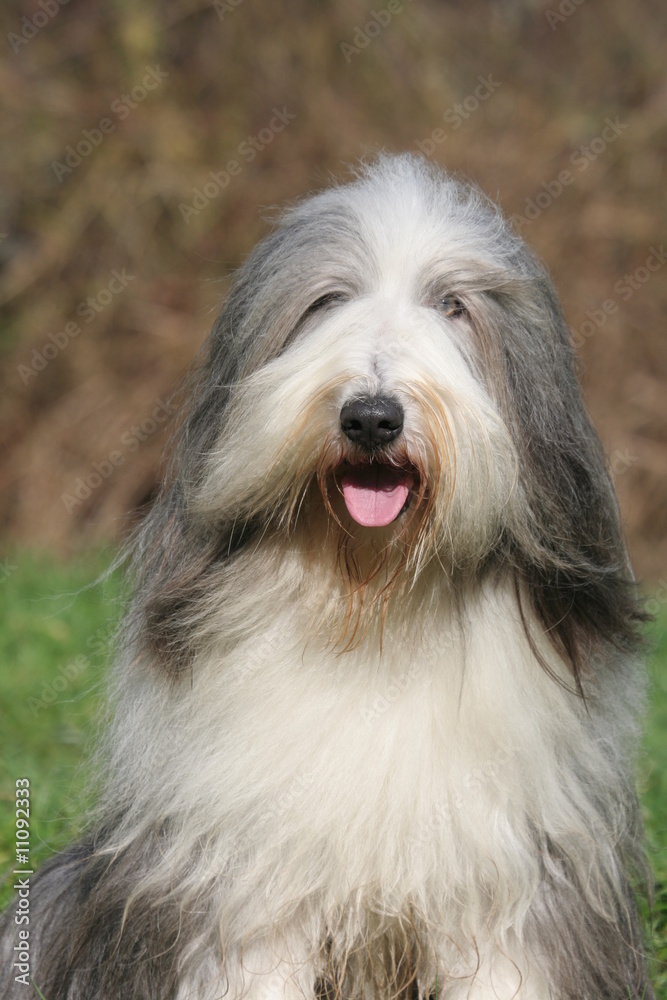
146, 143
117, 113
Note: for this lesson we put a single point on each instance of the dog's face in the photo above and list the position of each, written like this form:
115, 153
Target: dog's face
378, 393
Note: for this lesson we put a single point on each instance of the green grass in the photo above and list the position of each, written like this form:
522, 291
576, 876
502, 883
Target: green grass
54, 638
54, 631
653, 786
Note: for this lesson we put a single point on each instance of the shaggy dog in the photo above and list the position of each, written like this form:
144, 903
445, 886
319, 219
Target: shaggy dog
377, 694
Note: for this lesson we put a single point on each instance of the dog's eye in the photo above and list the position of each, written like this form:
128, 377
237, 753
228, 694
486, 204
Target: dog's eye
451, 307
325, 300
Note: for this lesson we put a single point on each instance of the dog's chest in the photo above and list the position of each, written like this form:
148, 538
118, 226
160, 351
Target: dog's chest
365, 764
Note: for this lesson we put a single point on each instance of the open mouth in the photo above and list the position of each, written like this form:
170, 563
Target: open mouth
376, 494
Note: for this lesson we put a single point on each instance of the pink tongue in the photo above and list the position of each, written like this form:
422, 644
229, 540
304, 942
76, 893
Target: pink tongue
375, 494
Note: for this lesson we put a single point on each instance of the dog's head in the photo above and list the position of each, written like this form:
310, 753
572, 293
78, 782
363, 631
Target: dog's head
362, 368
392, 374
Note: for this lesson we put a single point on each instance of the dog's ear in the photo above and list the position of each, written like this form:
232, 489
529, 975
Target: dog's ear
175, 554
569, 558
179, 566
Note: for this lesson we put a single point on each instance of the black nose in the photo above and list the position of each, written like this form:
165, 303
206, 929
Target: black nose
372, 421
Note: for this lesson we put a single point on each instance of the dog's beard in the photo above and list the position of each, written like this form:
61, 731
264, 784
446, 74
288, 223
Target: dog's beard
377, 520
378, 509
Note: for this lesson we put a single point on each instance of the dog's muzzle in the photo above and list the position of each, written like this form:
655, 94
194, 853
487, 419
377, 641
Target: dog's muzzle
376, 492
